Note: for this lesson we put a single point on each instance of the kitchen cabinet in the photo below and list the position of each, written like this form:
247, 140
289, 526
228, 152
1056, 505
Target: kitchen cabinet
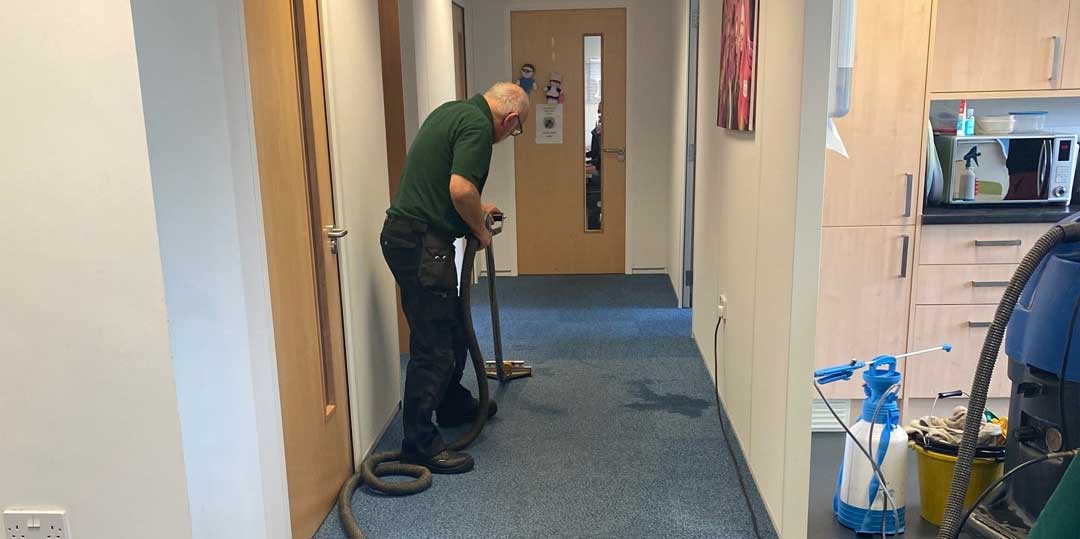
863, 297
979, 244
962, 274
1000, 45
883, 131
1070, 68
962, 285
965, 327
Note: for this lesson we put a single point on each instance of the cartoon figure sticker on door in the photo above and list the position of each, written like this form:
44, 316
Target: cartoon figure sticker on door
553, 90
549, 124
527, 81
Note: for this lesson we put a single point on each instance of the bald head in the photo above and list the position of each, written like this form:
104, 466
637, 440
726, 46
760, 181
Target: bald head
507, 98
509, 106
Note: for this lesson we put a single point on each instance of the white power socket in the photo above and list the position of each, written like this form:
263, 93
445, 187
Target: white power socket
721, 308
36, 524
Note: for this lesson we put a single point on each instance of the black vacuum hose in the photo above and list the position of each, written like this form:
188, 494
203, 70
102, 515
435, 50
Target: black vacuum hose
385, 463
954, 508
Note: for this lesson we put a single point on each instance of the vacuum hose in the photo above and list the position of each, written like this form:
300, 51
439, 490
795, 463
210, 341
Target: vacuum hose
385, 463
954, 508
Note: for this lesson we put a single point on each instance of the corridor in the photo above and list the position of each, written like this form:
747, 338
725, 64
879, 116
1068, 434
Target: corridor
615, 436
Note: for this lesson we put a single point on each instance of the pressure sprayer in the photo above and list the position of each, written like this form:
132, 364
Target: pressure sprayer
870, 488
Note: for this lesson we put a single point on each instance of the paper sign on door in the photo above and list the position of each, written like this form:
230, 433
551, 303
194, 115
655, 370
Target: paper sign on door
549, 124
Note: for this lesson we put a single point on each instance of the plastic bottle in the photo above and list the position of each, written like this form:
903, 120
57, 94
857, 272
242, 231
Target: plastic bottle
969, 124
961, 119
967, 178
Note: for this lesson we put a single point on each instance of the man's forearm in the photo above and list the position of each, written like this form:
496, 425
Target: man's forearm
467, 203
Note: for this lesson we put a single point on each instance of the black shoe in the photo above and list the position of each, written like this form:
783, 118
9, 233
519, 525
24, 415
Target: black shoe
468, 417
447, 462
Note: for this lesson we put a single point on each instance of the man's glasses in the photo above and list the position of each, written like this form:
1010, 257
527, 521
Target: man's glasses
517, 130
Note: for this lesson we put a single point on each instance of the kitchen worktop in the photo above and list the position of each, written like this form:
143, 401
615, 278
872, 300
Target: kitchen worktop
952, 215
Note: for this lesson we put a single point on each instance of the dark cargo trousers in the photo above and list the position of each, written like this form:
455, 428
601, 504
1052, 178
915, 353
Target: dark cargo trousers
422, 262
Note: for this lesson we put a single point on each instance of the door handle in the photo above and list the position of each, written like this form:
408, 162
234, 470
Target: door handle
989, 284
1055, 67
620, 153
334, 234
904, 256
998, 243
973, 324
910, 192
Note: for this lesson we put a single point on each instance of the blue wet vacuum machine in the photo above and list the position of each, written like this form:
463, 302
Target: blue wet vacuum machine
1036, 498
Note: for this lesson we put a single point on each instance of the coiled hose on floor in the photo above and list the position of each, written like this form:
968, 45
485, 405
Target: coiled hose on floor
954, 508
385, 464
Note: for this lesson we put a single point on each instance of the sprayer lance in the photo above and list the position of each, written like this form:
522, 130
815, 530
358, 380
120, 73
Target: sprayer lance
945, 347
829, 375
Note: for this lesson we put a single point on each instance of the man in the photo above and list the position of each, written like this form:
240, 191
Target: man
439, 200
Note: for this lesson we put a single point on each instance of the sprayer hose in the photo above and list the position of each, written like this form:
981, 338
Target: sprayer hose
385, 464
952, 520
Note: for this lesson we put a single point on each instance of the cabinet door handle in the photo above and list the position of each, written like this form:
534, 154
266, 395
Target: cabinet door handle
904, 255
910, 192
1055, 67
989, 284
973, 324
998, 243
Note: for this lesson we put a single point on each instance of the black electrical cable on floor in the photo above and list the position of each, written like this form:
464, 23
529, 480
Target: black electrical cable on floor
1000, 480
727, 439
1064, 371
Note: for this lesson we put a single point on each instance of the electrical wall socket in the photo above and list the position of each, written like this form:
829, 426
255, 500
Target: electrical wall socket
36, 524
721, 308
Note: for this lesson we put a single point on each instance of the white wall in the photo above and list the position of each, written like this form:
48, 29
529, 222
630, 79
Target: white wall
351, 55
192, 65
427, 58
758, 211
428, 70
648, 137
90, 408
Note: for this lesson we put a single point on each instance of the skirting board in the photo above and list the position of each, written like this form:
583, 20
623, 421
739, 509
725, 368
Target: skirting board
648, 271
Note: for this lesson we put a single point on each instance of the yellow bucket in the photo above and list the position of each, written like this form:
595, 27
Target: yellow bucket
935, 478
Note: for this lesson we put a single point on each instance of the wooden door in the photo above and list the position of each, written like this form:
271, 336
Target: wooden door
394, 104
1070, 67
555, 194
883, 131
997, 45
964, 327
863, 298
294, 171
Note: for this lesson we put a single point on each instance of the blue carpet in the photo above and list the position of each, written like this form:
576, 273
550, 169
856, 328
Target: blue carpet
615, 436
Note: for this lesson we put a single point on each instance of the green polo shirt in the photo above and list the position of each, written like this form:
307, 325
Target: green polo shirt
456, 138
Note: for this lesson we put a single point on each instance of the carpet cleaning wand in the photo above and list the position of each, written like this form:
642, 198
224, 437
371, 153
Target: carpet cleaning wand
879, 478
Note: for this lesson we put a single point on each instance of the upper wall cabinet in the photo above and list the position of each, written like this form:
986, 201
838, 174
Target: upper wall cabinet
883, 131
1001, 45
1070, 67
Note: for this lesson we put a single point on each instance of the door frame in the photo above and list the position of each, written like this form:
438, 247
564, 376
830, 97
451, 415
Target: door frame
686, 299
550, 5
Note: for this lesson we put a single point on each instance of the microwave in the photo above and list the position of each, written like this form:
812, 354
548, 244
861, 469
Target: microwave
1011, 169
